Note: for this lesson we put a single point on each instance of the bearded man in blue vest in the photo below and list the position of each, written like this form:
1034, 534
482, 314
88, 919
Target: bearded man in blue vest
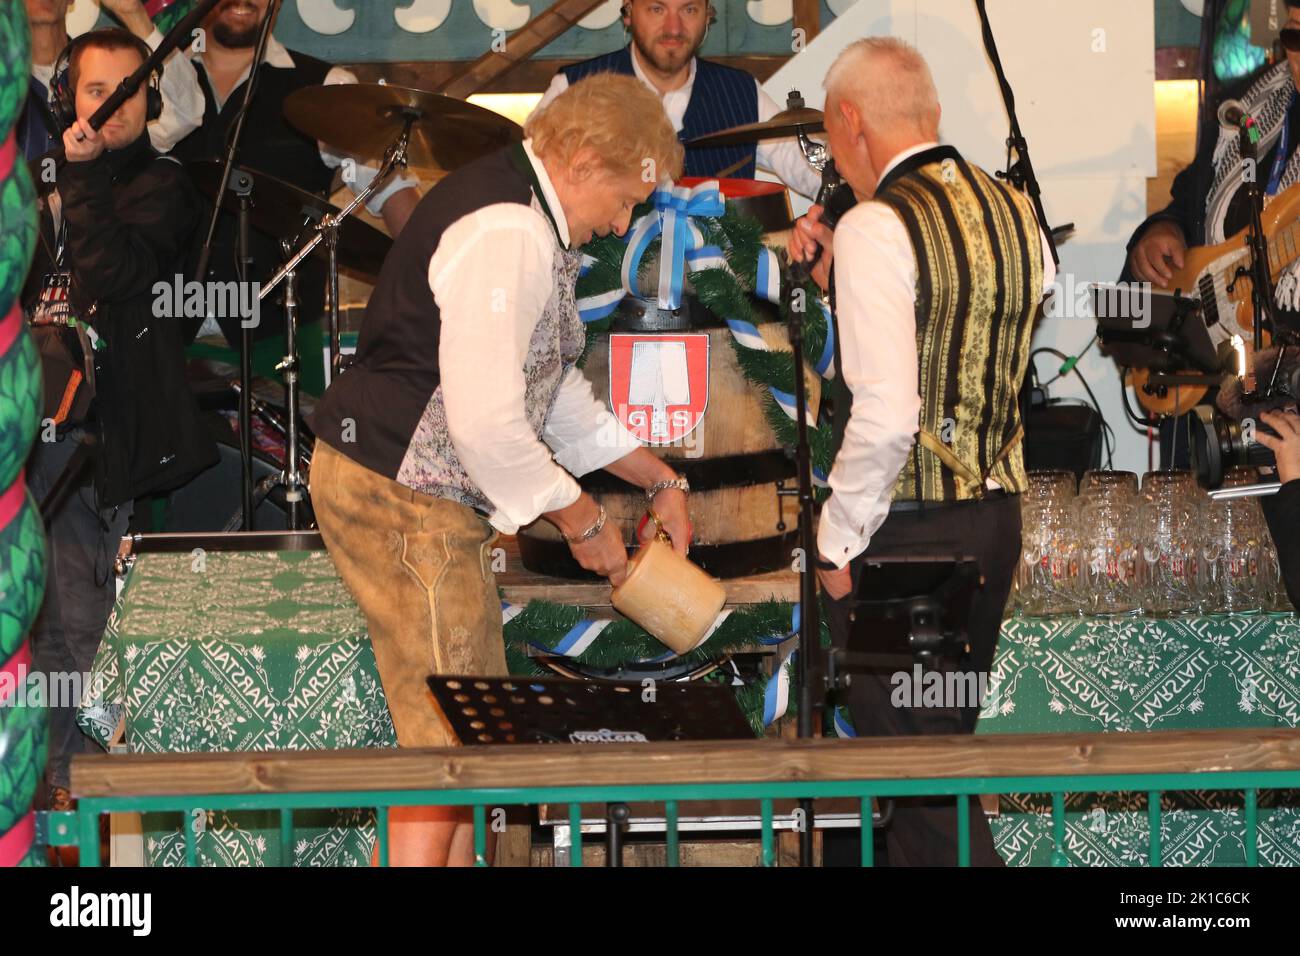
700, 97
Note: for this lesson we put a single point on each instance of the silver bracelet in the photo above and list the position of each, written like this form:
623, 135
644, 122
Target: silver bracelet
591, 532
679, 483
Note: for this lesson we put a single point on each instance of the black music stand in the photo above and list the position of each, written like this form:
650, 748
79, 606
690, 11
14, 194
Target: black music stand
553, 710
1173, 336
907, 610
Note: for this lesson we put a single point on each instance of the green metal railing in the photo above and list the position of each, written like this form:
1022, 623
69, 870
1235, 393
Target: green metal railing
485, 778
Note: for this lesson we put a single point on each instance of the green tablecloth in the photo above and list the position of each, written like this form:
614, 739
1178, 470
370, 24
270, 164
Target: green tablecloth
1074, 676
241, 651
267, 651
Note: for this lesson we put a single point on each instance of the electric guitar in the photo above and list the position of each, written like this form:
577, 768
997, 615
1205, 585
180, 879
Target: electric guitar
1217, 276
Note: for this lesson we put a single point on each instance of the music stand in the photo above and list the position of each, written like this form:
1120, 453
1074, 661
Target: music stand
1173, 335
553, 710
907, 610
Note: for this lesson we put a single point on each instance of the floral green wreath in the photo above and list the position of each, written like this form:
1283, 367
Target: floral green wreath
727, 264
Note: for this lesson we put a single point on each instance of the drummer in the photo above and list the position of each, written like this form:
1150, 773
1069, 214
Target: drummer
700, 97
465, 414
270, 145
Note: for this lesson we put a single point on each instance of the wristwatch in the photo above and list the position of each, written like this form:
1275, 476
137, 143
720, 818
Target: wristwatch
680, 483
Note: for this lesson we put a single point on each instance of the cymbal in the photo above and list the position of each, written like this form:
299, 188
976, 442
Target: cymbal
365, 119
279, 210
785, 123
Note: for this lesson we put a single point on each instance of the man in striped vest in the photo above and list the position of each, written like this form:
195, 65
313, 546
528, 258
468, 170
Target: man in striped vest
939, 271
700, 97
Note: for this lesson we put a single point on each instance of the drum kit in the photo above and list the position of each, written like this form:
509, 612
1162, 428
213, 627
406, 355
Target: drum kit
399, 127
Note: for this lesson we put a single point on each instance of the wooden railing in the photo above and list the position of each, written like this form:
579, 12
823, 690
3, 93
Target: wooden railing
761, 770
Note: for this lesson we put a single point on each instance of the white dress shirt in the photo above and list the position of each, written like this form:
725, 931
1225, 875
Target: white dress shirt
277, 55
492, 275
782, 157
876, 309
182, 111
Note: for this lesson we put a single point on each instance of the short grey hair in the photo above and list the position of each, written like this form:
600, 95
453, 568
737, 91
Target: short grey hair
889, 83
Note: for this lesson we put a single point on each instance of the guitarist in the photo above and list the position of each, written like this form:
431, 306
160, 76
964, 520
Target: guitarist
1208, 203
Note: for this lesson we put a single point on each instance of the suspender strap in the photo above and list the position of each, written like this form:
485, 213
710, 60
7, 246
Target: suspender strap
964, 473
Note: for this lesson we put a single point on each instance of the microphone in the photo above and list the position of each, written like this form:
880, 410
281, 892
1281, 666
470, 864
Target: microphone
829, 197
836, 199
1233, 115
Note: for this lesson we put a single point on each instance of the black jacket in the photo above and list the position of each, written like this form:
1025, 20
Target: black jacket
130, 215
1282, 511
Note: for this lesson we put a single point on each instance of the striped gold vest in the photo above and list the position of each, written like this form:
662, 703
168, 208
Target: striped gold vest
979, 281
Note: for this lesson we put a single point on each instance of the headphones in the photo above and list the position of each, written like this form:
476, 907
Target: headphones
63, 99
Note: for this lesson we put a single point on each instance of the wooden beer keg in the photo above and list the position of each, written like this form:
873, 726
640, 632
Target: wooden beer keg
736, 468
731, 458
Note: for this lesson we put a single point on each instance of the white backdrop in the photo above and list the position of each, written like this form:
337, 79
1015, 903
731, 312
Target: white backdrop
1083, 75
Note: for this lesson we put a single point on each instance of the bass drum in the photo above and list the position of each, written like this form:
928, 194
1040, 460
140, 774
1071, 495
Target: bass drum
211, 501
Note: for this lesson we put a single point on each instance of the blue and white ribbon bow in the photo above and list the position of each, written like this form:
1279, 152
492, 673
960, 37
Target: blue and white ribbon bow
682, 240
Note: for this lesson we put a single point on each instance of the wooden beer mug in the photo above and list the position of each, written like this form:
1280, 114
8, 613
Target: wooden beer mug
667, 595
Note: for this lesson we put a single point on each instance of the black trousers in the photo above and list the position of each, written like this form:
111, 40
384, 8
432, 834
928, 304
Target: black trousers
923, 831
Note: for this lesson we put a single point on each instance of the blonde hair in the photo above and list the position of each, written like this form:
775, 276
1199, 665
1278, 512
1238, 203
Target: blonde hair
889, 83
618, 117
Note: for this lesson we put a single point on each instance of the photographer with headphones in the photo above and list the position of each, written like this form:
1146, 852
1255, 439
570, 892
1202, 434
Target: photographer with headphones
699, 96
119, 221
38, 129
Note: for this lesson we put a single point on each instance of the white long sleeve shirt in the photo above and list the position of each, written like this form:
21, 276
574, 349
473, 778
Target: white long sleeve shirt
492, 276
875, 303
782, 157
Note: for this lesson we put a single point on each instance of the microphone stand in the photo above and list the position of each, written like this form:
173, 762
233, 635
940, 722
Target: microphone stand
808, 670
244, 263
1261, 280
1021, 174
809, 676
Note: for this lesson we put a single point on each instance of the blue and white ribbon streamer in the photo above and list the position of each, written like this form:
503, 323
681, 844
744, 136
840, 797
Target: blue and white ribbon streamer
843, 724
579, 638
767, 279
776, 697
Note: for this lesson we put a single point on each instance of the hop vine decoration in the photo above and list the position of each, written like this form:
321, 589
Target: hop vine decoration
23, 733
